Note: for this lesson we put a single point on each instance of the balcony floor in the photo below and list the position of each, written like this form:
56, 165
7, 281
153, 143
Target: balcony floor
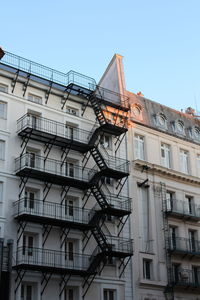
62, 142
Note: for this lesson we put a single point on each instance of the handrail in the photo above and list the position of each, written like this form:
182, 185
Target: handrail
63, 212
52, 127
184, 244
182, 207
53, 166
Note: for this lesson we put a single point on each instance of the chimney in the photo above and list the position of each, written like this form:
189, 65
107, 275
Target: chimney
140, 94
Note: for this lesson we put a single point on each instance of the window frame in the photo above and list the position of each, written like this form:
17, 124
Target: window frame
166, 160
3, 153
4, 115
139, 140
184, 161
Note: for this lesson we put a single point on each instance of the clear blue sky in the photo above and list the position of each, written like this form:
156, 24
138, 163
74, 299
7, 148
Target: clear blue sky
159, 39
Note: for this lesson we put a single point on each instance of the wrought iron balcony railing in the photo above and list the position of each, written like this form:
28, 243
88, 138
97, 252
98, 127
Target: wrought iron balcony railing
38, 258
119, 202
27, 122
52, 166
185, 278
184, 245
182, 208
117, 245
115, 163
51, 210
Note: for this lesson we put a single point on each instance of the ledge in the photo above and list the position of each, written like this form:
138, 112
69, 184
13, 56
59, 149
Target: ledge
159, 170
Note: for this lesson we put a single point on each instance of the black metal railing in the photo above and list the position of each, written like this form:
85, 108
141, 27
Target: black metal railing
49, 74
52, 127
117, 244
52, 258
184, 245
64, 79
115, 163
181, 207
53, 166
35, 207
185, 277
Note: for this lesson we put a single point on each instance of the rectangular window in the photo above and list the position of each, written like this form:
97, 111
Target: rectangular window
106, 141
69, 294
3, 110
193, 246
170, 196
196, 274
2, 150
70, 169
198, 165
29, 199
147, 269
189, 206
26, 292
109, 295
139, 147
27, 245
35, 98
165, 155
184, 161
173, 237
176, 272
69, 251
3, 88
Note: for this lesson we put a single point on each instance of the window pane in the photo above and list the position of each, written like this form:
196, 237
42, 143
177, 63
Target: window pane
2, 150
3, 110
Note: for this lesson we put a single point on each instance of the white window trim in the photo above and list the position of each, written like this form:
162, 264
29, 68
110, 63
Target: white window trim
138, 140
2, 155
4, 117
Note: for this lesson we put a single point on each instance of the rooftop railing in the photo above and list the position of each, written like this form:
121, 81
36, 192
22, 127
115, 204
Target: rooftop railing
181, 207
184, 245
53, 166
52, 259
43, 73
56, 211
52, 127
47, 73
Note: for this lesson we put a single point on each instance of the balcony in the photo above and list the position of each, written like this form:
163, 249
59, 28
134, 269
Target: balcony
183, 246
186, 279
43, 212
117, 205
181, 210
57, 262
118, 247
51, 132
53, 171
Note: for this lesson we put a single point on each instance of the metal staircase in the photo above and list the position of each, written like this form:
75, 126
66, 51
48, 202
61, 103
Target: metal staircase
96, 105
99, 196
98, 157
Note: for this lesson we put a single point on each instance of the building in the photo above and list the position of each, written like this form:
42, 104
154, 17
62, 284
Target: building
164, 152
64, 199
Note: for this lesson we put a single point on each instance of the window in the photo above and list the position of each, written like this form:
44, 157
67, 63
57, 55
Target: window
1, 199
165, 155
198, 165
27, 247
180, 127
109, 295
192, 240
71, 131
139, 147
173, 237
70, 169
72, 111
29, 200
170, 200
26, 292
106, 141
30, 159
70, 203
3, 110
3, 88
69, 294
197, 133
107, 180
147, 269
196, 274
34, 98
161, 120
69, 250
184, 161
2, 150
189, 204
176, 272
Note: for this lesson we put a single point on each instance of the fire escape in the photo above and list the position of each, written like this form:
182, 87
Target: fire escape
179, 279
111, 111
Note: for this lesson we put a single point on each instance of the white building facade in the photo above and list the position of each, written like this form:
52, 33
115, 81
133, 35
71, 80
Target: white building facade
64, 199
164, 151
